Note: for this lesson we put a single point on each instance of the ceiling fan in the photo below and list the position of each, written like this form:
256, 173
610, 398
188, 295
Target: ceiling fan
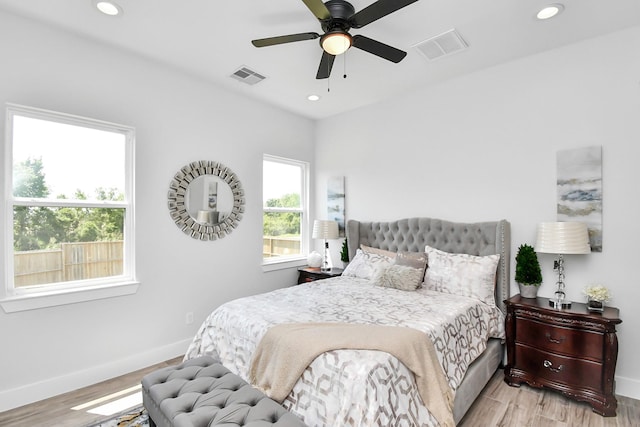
336, 18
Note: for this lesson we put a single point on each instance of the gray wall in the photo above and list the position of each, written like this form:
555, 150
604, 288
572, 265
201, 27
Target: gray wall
483, 147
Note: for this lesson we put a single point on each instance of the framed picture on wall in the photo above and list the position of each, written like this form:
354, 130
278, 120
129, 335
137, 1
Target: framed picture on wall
335, 202
580, 190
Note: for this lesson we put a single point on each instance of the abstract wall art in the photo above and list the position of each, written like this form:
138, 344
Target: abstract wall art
335, 202
579, 183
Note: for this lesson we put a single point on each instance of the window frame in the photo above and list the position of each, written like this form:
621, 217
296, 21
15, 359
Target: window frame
281, 262
59, 293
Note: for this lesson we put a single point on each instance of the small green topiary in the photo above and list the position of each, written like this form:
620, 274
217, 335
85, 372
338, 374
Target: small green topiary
344, 253
527, 266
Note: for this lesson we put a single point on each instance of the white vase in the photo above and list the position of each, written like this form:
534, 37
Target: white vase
314, 259
528, 291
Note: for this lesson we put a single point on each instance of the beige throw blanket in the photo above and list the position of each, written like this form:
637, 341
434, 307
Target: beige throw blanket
286, 350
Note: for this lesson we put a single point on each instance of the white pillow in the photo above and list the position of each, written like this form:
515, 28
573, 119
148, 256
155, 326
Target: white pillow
396, 276
462, 274
364, 264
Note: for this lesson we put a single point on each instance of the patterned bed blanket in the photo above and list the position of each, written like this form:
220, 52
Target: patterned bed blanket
353, 387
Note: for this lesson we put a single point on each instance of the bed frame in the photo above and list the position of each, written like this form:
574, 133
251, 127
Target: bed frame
482, 238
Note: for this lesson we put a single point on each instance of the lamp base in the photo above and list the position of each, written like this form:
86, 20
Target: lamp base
559, 304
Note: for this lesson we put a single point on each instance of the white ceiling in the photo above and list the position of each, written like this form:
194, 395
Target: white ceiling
211, 39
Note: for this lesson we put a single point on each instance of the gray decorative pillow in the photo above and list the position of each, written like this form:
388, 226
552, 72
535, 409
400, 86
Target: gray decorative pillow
364, 264
462, 274
398, 277
413, 259
378, 251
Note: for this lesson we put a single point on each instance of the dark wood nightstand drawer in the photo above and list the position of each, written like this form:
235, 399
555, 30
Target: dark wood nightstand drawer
566, 341
571, 350
308, 274
571, 371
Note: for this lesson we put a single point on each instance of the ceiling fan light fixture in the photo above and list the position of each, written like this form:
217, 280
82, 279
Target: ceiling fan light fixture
336, 42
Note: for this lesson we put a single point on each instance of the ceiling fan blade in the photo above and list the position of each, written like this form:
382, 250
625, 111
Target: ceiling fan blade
326, 63
377, 10
318, 8
379, 49
270, 41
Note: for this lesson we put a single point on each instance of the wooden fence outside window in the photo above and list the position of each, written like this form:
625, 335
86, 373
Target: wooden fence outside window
280, 246
73, 261
91, 260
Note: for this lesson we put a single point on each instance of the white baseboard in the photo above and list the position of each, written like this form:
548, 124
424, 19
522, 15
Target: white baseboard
628, 387
29, 393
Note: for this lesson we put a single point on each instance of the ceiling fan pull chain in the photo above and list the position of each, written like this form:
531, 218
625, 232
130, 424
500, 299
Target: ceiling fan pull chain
329, 65
344, 63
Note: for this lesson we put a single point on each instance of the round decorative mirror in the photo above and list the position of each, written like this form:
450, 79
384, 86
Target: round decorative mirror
206, 200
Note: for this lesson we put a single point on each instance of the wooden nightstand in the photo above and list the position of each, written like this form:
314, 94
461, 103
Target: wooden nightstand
571, 351
309, 274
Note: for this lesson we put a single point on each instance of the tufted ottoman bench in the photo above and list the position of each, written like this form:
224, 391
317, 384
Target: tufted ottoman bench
201, 392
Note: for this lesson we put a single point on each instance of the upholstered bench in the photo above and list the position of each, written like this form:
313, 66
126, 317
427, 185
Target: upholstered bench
200, 392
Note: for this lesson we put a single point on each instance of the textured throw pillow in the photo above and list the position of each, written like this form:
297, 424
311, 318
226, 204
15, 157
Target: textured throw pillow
395, 276
462, 274
364, 264
413, 259
378, 251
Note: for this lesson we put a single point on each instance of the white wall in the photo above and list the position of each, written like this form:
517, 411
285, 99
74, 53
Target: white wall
483, 147
477, 148
178, 120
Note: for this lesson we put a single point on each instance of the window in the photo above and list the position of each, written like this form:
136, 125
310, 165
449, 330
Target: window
69, 202
285, 205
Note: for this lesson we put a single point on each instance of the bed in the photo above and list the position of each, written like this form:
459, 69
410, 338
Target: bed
359, 387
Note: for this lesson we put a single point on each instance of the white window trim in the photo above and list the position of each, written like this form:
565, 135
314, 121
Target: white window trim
284, 263
294, 261
15, 300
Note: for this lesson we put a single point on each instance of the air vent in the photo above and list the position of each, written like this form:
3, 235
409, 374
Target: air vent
247, 76
441, 45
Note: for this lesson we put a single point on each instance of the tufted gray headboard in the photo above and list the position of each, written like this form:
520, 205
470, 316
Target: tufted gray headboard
413, 234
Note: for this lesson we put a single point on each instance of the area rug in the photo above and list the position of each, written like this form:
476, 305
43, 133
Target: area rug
134, 417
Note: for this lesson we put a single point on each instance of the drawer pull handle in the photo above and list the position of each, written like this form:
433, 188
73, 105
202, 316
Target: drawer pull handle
549, 366
554, 340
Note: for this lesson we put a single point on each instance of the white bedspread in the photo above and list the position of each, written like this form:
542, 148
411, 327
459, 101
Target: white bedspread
353, 387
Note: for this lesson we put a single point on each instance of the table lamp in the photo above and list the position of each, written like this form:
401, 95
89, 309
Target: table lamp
562, 238
324, 229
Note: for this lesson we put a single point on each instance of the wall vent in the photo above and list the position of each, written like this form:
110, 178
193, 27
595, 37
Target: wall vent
441, 45
248, 76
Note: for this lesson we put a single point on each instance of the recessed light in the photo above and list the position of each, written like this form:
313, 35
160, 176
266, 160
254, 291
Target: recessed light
313, 98
108, 7
550, 11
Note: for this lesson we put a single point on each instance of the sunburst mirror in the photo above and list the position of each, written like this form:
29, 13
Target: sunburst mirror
206, 200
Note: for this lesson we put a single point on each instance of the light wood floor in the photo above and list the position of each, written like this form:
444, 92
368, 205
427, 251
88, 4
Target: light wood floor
498, 405
57, 412
502, 405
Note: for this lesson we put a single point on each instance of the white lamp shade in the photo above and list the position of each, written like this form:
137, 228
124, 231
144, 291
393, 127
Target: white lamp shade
563, 238
323, 229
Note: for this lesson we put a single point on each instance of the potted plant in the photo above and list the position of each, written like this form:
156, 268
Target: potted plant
344, 253
528, 274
